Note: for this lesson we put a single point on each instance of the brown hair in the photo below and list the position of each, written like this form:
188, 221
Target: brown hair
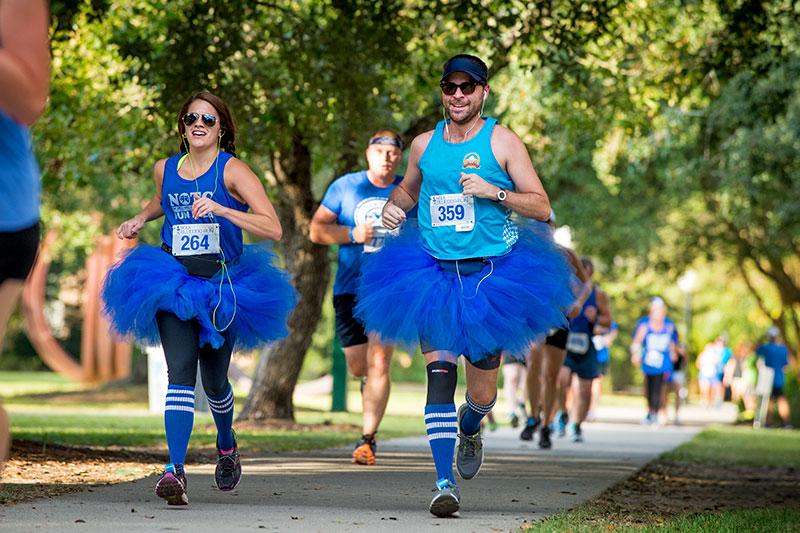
227, 127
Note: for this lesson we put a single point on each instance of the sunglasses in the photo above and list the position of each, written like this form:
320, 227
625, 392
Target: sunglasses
208, 119
467, 88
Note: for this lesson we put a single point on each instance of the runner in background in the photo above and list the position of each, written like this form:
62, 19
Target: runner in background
24, 87
350, 216
653, 350
675, 382
775, 355
603, 339
514, 374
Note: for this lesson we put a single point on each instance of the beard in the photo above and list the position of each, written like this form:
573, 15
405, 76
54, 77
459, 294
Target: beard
464, 115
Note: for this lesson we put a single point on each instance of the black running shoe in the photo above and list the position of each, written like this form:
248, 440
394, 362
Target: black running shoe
544, 438
529, 429
172, 485
229, 468
514, 420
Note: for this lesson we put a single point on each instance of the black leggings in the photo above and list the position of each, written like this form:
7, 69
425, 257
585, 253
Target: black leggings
181, 339
653, 386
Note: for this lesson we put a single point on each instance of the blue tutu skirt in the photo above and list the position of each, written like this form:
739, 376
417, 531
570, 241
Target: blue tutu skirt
407, 297
147, 280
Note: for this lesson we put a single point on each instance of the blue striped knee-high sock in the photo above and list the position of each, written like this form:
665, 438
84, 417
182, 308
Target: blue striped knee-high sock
178, 421
222, 411
471, 420
441, 426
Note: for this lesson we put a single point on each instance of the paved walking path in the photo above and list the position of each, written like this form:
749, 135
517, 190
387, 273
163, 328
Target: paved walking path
322, 491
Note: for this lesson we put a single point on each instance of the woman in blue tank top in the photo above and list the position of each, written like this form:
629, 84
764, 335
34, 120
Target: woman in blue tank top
469, 281
201, 292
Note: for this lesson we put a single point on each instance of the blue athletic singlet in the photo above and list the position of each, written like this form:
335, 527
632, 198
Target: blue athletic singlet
177, 196
441, 166
655, 348
19, 177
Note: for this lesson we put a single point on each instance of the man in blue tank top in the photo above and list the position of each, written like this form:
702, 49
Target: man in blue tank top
24, 86
581, 357
654, 349
350, 217
465, 281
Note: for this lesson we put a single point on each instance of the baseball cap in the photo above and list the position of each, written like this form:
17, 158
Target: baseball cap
773, 332
470, 65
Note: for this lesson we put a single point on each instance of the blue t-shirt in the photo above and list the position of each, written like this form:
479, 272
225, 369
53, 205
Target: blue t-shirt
355, 200
775, 356
19, 177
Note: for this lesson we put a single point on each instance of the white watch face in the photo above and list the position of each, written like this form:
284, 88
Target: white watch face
501, 195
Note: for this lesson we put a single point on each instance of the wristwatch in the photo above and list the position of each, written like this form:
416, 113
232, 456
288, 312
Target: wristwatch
501, 195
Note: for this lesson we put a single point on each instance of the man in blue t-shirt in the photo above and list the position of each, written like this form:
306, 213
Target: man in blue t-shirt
24, 87
775, 355
350, 217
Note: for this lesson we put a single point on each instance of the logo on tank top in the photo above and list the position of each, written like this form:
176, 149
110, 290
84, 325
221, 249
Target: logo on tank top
181, 203
472, 160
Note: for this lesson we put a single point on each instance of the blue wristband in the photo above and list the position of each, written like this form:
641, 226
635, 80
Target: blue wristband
352, 239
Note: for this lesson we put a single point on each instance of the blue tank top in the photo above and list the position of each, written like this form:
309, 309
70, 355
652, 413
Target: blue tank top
177, 196
655, 348
581, 324
441, 166
19, 177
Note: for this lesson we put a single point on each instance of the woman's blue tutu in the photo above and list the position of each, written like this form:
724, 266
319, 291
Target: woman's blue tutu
147, 280
408, 298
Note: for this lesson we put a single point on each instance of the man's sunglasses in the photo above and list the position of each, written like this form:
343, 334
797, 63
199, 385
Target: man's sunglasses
208, 119
467, 88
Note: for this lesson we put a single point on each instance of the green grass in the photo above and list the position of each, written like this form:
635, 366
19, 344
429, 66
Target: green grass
741, 446
772, 520
121, 430
24, 383
718, 445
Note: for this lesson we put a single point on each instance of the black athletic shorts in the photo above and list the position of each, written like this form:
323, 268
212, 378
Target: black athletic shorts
585, 365
348, 328
18, 252
558, 339
776, 393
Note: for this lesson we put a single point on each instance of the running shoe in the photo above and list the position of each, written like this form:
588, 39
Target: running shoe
563, 419
544, 438
514, 420
229, 468
529, 429
172, 485
492, 425
469, 456
577, 433
364, 452
447, 499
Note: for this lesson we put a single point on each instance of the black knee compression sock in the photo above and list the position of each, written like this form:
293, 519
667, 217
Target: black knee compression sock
440, 416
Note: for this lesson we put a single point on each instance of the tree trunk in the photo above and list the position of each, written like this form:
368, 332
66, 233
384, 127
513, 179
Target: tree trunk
280, 363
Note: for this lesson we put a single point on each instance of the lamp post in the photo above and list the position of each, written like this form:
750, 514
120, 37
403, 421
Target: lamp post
687, 284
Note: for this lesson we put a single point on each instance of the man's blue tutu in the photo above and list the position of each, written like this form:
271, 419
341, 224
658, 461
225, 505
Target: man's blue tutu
147, 280
408, 298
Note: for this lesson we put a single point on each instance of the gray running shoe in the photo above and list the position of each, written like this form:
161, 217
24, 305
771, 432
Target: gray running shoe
447, 499
469, 456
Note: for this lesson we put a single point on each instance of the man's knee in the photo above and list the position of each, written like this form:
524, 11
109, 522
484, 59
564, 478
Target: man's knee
356, 357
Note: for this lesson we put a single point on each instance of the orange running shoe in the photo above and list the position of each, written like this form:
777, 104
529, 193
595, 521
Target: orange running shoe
364, 453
